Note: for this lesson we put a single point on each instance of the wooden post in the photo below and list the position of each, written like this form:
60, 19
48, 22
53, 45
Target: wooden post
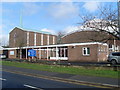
64, 52
20, 53
56, 53
39, 53
26, 53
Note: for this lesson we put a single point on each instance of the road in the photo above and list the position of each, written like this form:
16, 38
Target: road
12, 80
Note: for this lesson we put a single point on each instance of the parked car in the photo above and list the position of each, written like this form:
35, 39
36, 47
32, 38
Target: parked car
114, 58
2, 56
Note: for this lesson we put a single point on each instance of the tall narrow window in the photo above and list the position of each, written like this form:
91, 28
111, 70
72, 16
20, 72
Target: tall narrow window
86, 51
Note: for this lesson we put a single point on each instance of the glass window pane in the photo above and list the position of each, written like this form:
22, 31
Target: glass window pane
84, 51
88, 50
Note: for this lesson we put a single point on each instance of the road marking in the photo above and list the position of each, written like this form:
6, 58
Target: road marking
111, 85
2, 79
26, 85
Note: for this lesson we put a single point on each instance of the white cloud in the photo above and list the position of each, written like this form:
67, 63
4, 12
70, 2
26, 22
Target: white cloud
30, 8
70, 29
48, 30
63, 10
91, 6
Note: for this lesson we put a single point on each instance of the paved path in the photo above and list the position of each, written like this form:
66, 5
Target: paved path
81, 78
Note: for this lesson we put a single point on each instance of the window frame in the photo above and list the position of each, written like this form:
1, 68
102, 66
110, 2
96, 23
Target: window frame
87, 52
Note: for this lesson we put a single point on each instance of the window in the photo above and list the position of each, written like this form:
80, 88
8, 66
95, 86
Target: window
110, 46
86, 51
116, 54
11, 52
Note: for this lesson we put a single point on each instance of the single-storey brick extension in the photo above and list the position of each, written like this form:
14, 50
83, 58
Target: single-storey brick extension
78, 52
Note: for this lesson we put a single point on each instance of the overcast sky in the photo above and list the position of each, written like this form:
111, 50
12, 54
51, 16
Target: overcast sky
44, 16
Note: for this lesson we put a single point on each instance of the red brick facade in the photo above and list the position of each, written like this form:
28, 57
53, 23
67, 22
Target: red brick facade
92, 36
20, 38
76, 54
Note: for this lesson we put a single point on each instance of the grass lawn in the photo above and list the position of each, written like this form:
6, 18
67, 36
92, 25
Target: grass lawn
0, 62
91, 71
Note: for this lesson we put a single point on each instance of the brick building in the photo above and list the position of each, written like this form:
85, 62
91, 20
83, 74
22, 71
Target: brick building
92, 36
79, 46
74, 52
20, 37
83, 46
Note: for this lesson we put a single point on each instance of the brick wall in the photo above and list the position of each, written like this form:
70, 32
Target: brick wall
83, 36
31, 39
102, 53
1, 51
18, 38
38, 39
75, 53
12, 54
44, 39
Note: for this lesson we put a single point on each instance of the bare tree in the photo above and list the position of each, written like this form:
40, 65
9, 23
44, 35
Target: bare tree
59, 36
105, 21
119, 17
19, 42
6, 45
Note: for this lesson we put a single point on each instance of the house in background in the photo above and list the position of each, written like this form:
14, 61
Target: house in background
93, 36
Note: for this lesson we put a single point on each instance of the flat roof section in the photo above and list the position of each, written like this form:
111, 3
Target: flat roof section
57, 45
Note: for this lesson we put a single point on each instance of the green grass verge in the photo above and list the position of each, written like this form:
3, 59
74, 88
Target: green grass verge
91, 71
0, 62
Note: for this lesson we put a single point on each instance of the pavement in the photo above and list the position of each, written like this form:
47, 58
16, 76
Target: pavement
91, 80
